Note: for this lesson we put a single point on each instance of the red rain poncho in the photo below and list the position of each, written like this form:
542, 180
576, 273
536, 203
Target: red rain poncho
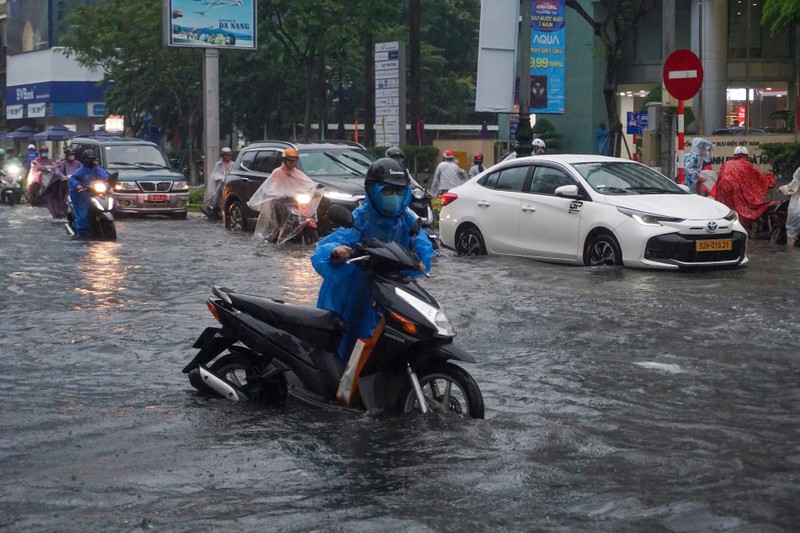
743, 188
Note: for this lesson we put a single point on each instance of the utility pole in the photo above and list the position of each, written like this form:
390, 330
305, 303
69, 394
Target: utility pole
414, 70
210, 110
524, 135
668, 113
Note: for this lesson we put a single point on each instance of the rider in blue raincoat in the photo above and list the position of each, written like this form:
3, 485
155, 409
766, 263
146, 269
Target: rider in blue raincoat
78, 193
384, 215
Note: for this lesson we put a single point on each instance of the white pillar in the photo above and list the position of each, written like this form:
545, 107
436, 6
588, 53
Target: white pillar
210, 110
710, 41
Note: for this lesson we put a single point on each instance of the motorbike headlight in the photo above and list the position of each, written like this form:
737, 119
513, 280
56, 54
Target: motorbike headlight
100, 187
419, 194
647, 219
733, 216
333, 195
13, 169
302, 198
435, 316
126, 186
180, 186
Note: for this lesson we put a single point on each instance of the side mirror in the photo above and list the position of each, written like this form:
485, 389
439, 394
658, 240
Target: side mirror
684, 187
340, 216
568, 191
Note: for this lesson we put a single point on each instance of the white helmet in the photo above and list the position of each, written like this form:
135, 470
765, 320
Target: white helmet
31, 147
539, 143
225, 150
740, 150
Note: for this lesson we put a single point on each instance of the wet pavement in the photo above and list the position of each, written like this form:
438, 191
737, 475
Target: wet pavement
616, 400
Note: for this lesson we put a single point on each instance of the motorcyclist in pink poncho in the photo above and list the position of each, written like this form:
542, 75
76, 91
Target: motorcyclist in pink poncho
287, 192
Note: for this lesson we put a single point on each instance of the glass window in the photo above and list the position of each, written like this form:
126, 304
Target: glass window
626, 178
546, 180
489, 181
247, 160
512, 179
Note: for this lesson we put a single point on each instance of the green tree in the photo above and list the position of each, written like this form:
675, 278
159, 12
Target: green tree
144, 77
616, 22
781, 13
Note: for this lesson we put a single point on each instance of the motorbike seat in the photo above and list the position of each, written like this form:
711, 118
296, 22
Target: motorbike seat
271, 311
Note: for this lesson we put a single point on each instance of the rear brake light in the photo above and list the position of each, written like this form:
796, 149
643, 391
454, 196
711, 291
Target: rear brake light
448, 197
213, 310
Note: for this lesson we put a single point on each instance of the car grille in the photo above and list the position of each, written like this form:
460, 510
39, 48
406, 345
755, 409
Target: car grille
681, 248
155, 186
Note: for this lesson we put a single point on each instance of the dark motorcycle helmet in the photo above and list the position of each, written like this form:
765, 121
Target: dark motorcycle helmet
395, 153
387, 170
89, 158
69, 152
388, 187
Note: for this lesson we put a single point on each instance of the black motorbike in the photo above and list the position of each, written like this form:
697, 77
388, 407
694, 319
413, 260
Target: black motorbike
422, 207
269, 351
101, 219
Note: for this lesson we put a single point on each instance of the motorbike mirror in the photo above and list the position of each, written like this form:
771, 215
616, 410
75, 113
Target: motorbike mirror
416, 226
112, 179
340, 216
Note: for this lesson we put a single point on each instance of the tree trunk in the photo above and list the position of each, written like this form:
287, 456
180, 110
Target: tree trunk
308, 65
610, 97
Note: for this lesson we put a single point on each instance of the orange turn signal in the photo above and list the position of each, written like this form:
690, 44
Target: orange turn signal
405, 323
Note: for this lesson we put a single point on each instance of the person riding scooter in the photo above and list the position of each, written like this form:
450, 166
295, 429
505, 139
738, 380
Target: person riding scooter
384, 216
56, 192
78, 183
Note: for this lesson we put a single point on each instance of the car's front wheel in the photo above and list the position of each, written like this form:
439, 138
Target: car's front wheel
470, 242
602, 250
234, 217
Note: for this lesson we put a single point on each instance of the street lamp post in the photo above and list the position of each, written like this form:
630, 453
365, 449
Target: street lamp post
524, 134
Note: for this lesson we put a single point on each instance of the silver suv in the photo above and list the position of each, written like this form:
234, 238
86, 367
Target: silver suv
148, 185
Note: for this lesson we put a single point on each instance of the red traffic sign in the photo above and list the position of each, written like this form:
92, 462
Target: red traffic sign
683, 74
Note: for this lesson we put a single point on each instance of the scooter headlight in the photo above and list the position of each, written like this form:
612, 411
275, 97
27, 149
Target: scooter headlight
434, 315
419, 194
100, 187
302, 198
13, 169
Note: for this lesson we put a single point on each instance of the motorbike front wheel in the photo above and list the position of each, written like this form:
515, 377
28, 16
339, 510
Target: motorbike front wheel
447, 389
108, 230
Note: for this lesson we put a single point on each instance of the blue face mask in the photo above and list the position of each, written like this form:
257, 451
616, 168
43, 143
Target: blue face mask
390, 204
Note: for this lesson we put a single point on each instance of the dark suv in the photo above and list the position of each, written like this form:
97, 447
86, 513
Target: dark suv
340, 166
147, 184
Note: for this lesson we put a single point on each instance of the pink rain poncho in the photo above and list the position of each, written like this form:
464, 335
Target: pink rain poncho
286, 201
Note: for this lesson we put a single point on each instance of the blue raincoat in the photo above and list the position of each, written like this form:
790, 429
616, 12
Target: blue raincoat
80, 199
345, 288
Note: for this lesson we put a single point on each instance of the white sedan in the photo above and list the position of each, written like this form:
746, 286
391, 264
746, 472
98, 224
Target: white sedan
589, 210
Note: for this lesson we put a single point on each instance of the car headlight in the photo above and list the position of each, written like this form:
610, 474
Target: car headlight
100, 187
733, 216
333, 195
647, 219
180, 186
126, 186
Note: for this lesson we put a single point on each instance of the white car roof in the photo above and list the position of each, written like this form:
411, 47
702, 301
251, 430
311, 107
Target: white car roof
570, 158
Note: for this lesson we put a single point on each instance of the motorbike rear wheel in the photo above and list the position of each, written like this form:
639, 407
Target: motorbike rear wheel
236, 370
447, 389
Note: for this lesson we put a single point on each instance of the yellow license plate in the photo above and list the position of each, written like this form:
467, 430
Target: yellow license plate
713, 245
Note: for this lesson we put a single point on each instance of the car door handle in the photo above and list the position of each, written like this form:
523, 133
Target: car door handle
528, 208
483, 203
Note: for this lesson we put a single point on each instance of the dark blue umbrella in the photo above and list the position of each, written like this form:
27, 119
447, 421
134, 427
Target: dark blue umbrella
55, 133
25, 133
4, 136
484, 134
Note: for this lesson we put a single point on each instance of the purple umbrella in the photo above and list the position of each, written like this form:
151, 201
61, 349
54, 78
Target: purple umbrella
25, 133
484, 134
55, 133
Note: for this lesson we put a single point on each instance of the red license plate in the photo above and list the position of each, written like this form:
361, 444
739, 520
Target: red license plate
157, 197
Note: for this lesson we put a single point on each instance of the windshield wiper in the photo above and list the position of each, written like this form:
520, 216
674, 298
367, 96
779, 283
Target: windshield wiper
150, 164
649, 190
617, 190
122, 163
342, 164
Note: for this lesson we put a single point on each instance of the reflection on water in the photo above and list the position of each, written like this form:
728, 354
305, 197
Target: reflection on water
101, 272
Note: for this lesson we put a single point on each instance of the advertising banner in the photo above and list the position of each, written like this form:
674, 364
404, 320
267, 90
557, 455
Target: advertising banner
547, 56
211, 23
390, 110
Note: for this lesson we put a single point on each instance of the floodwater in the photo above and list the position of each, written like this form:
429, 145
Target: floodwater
616, 400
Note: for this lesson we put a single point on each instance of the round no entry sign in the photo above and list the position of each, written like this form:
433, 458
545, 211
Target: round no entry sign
683, 74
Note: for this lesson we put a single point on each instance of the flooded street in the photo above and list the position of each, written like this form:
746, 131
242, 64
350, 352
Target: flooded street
616, 400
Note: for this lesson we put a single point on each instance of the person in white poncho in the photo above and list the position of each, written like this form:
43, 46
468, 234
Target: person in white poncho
793, 216
287, 191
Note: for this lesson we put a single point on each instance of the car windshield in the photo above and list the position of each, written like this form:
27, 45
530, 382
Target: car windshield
626, 178
141, 155
351, 163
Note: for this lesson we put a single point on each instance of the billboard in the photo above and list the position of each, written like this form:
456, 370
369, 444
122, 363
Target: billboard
210, 23
547, 56
27, 26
